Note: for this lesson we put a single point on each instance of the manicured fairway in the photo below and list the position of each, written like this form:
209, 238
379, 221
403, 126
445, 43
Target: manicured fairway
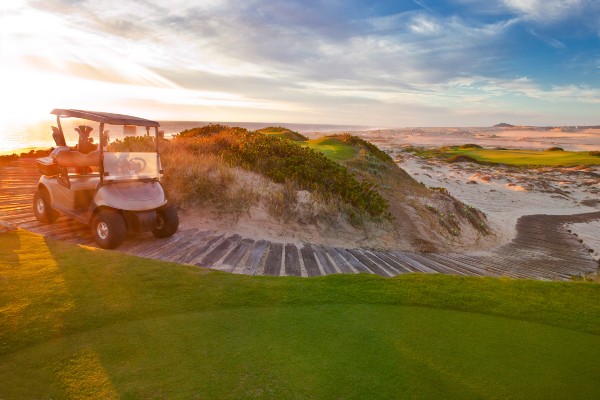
527, 157
85, 323
333, 148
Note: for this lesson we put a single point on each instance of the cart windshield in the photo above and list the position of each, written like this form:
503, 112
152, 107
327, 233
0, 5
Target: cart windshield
125, 166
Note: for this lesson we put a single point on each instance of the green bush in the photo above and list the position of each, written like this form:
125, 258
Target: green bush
29, 154
471, 146
133, 143
281, 160
358, 142
461, 158
555, 149
595, 153
207, 131
284, 133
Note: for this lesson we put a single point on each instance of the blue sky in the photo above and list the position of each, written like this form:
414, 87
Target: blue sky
376, 63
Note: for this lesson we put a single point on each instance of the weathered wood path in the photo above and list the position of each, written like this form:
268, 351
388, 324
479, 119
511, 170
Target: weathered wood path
543, 248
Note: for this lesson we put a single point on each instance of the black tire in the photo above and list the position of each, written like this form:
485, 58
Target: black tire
167, 222
41, 207
109, 229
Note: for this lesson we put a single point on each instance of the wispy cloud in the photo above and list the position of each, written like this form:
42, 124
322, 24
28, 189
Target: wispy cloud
557, 44
545, 10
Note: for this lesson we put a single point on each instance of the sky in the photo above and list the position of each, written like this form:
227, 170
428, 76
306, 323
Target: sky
373, 63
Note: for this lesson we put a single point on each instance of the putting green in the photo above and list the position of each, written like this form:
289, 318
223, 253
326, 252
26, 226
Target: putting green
332, 148
527, 157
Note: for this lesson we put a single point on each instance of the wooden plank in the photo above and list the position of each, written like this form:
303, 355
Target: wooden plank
231, 261
379, 258
373, 266
292, 260
166, 246
256, 255
219, 250
197, 239
353, 261
451, 265
446, 259
273, 260
326, 263
398, 266
204, 247
310, 261
339, 261
408, 260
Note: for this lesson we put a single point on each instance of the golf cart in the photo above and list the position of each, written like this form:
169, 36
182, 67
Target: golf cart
113, 191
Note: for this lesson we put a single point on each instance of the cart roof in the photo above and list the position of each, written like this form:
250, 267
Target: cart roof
107, 118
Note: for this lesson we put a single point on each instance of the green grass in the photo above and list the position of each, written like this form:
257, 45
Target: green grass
84, 323
514, 157
333, 148
283, 133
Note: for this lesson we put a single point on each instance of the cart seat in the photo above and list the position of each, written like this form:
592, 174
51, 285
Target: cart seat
84, 182
77, 159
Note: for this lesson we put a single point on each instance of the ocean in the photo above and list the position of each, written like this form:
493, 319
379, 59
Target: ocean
40, 136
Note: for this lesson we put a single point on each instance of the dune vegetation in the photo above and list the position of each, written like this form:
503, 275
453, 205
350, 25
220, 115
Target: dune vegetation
339, 182
78, 322
192, 156
551, 157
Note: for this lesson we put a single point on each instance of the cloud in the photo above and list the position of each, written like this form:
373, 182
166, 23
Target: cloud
577, 13
422, 24
544, 10
557, 44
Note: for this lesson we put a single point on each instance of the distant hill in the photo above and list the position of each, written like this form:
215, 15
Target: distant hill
503, 125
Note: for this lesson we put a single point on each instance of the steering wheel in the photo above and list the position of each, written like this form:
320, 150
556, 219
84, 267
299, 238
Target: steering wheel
137, 164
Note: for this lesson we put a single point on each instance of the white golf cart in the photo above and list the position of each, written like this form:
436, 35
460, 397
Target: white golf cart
113, 191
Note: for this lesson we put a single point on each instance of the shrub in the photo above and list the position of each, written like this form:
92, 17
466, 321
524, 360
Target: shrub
134, 143
594, 153
555, 149
461, 158
281, 160
442, 190
207, 131
358, 142
471, 146
29, 154
284, 133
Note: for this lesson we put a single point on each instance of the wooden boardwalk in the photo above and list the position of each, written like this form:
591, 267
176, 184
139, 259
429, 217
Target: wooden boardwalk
543, 248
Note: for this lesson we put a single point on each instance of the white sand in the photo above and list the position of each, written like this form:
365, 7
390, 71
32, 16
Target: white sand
505, 194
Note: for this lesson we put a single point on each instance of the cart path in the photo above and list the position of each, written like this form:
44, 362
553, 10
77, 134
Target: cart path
544, 248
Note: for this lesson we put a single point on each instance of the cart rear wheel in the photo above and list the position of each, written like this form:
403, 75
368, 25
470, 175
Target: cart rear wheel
41, 207
109, 229
167, 222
